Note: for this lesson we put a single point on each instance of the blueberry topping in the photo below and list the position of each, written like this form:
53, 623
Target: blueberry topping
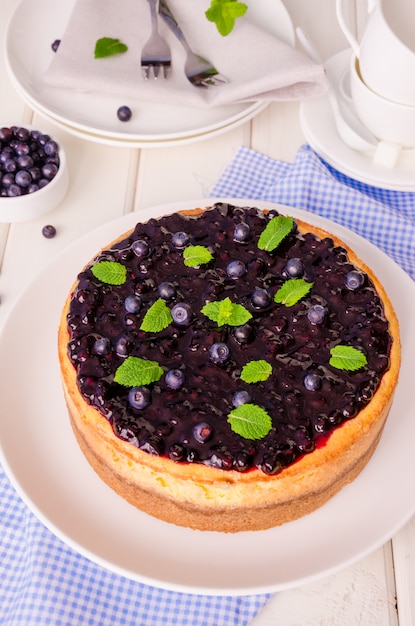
102, 345
49, 231
180, 239
177, 452
240, 397
354, 280
316, 314
219, 352
174, 378
236, 269
166, 290
132, 304
202, 432
261, 298
139, 397
243, 334
124, 113
140, 248
181, 314
312, 382
294, 267
241, 232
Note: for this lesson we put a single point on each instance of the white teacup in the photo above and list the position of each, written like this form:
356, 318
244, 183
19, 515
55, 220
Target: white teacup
386, 51
388, 121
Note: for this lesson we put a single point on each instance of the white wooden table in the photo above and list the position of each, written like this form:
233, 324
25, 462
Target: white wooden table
107, 182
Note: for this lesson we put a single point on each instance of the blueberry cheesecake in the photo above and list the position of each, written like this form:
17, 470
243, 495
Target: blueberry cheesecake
226, 368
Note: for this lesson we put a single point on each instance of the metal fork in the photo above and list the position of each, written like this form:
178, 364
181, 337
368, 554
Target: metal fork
199, 71
155, 55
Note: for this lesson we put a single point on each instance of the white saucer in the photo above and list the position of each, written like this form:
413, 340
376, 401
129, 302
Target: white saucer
318, 126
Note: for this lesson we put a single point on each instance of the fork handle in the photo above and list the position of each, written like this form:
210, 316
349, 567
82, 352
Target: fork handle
172, 23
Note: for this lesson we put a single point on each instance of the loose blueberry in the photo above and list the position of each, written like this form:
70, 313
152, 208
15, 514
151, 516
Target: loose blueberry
140, 248
174, 378
312, 382
180, 239
132, 304
124, 113
23, 178
261, 298
202, 432
241, 232
49, 170
139, 397
354, 280
55, 45
294, 267
166, 290
219, 352
51, 148
236, 269
49, 231
240, 397
181, 314
316, 314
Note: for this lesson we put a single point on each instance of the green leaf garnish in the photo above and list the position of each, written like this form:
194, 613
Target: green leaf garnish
274, 232
196, 255
250, 421
107, 47
226, 312
347, 358
256, 371
135, 371
157, 318
292, 291
223, 13
110, 272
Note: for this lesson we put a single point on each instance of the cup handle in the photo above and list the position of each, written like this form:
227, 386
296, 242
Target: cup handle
345, 28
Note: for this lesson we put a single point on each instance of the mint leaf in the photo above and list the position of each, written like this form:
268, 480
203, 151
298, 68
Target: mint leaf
223, 13
135, 371
110, 272
347, 358
196, 255
274, 232
256, 371
157, 318
226, 312
250, 421
107, 47
292, 291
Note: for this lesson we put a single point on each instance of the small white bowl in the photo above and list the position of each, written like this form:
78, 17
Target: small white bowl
388, 120
32, 205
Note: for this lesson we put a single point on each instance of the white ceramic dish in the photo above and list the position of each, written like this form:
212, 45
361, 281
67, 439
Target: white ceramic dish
30, 206
43, 461
28, 53
319, 129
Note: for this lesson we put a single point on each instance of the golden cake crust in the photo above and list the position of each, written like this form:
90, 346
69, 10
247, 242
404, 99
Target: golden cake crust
206, 498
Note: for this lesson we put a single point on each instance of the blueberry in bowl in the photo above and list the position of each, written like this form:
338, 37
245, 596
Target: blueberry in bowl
33, 173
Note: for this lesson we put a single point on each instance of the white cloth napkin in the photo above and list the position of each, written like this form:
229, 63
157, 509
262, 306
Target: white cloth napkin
259, 66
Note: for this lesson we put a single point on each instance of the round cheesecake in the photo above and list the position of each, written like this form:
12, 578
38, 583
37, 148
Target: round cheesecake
228, 369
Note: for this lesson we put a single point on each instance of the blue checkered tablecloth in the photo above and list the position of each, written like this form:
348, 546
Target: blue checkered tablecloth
43, 581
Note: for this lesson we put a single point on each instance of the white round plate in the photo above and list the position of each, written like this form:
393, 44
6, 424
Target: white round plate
28, 40
43, 461
319, 128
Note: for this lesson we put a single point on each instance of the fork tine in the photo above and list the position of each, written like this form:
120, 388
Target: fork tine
155, 55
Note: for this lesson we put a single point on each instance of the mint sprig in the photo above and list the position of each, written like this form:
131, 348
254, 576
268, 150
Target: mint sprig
344, 357
110, 272
275, 232
135, 371
256, 371
196, 255
250, 421
157, 317
108, 47
223, 13
292, 291
226, 312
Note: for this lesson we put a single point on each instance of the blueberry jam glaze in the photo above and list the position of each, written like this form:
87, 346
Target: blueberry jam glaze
305, 396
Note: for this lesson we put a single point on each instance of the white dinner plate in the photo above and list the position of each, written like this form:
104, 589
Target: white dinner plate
29, 35
43, 461
319, 128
